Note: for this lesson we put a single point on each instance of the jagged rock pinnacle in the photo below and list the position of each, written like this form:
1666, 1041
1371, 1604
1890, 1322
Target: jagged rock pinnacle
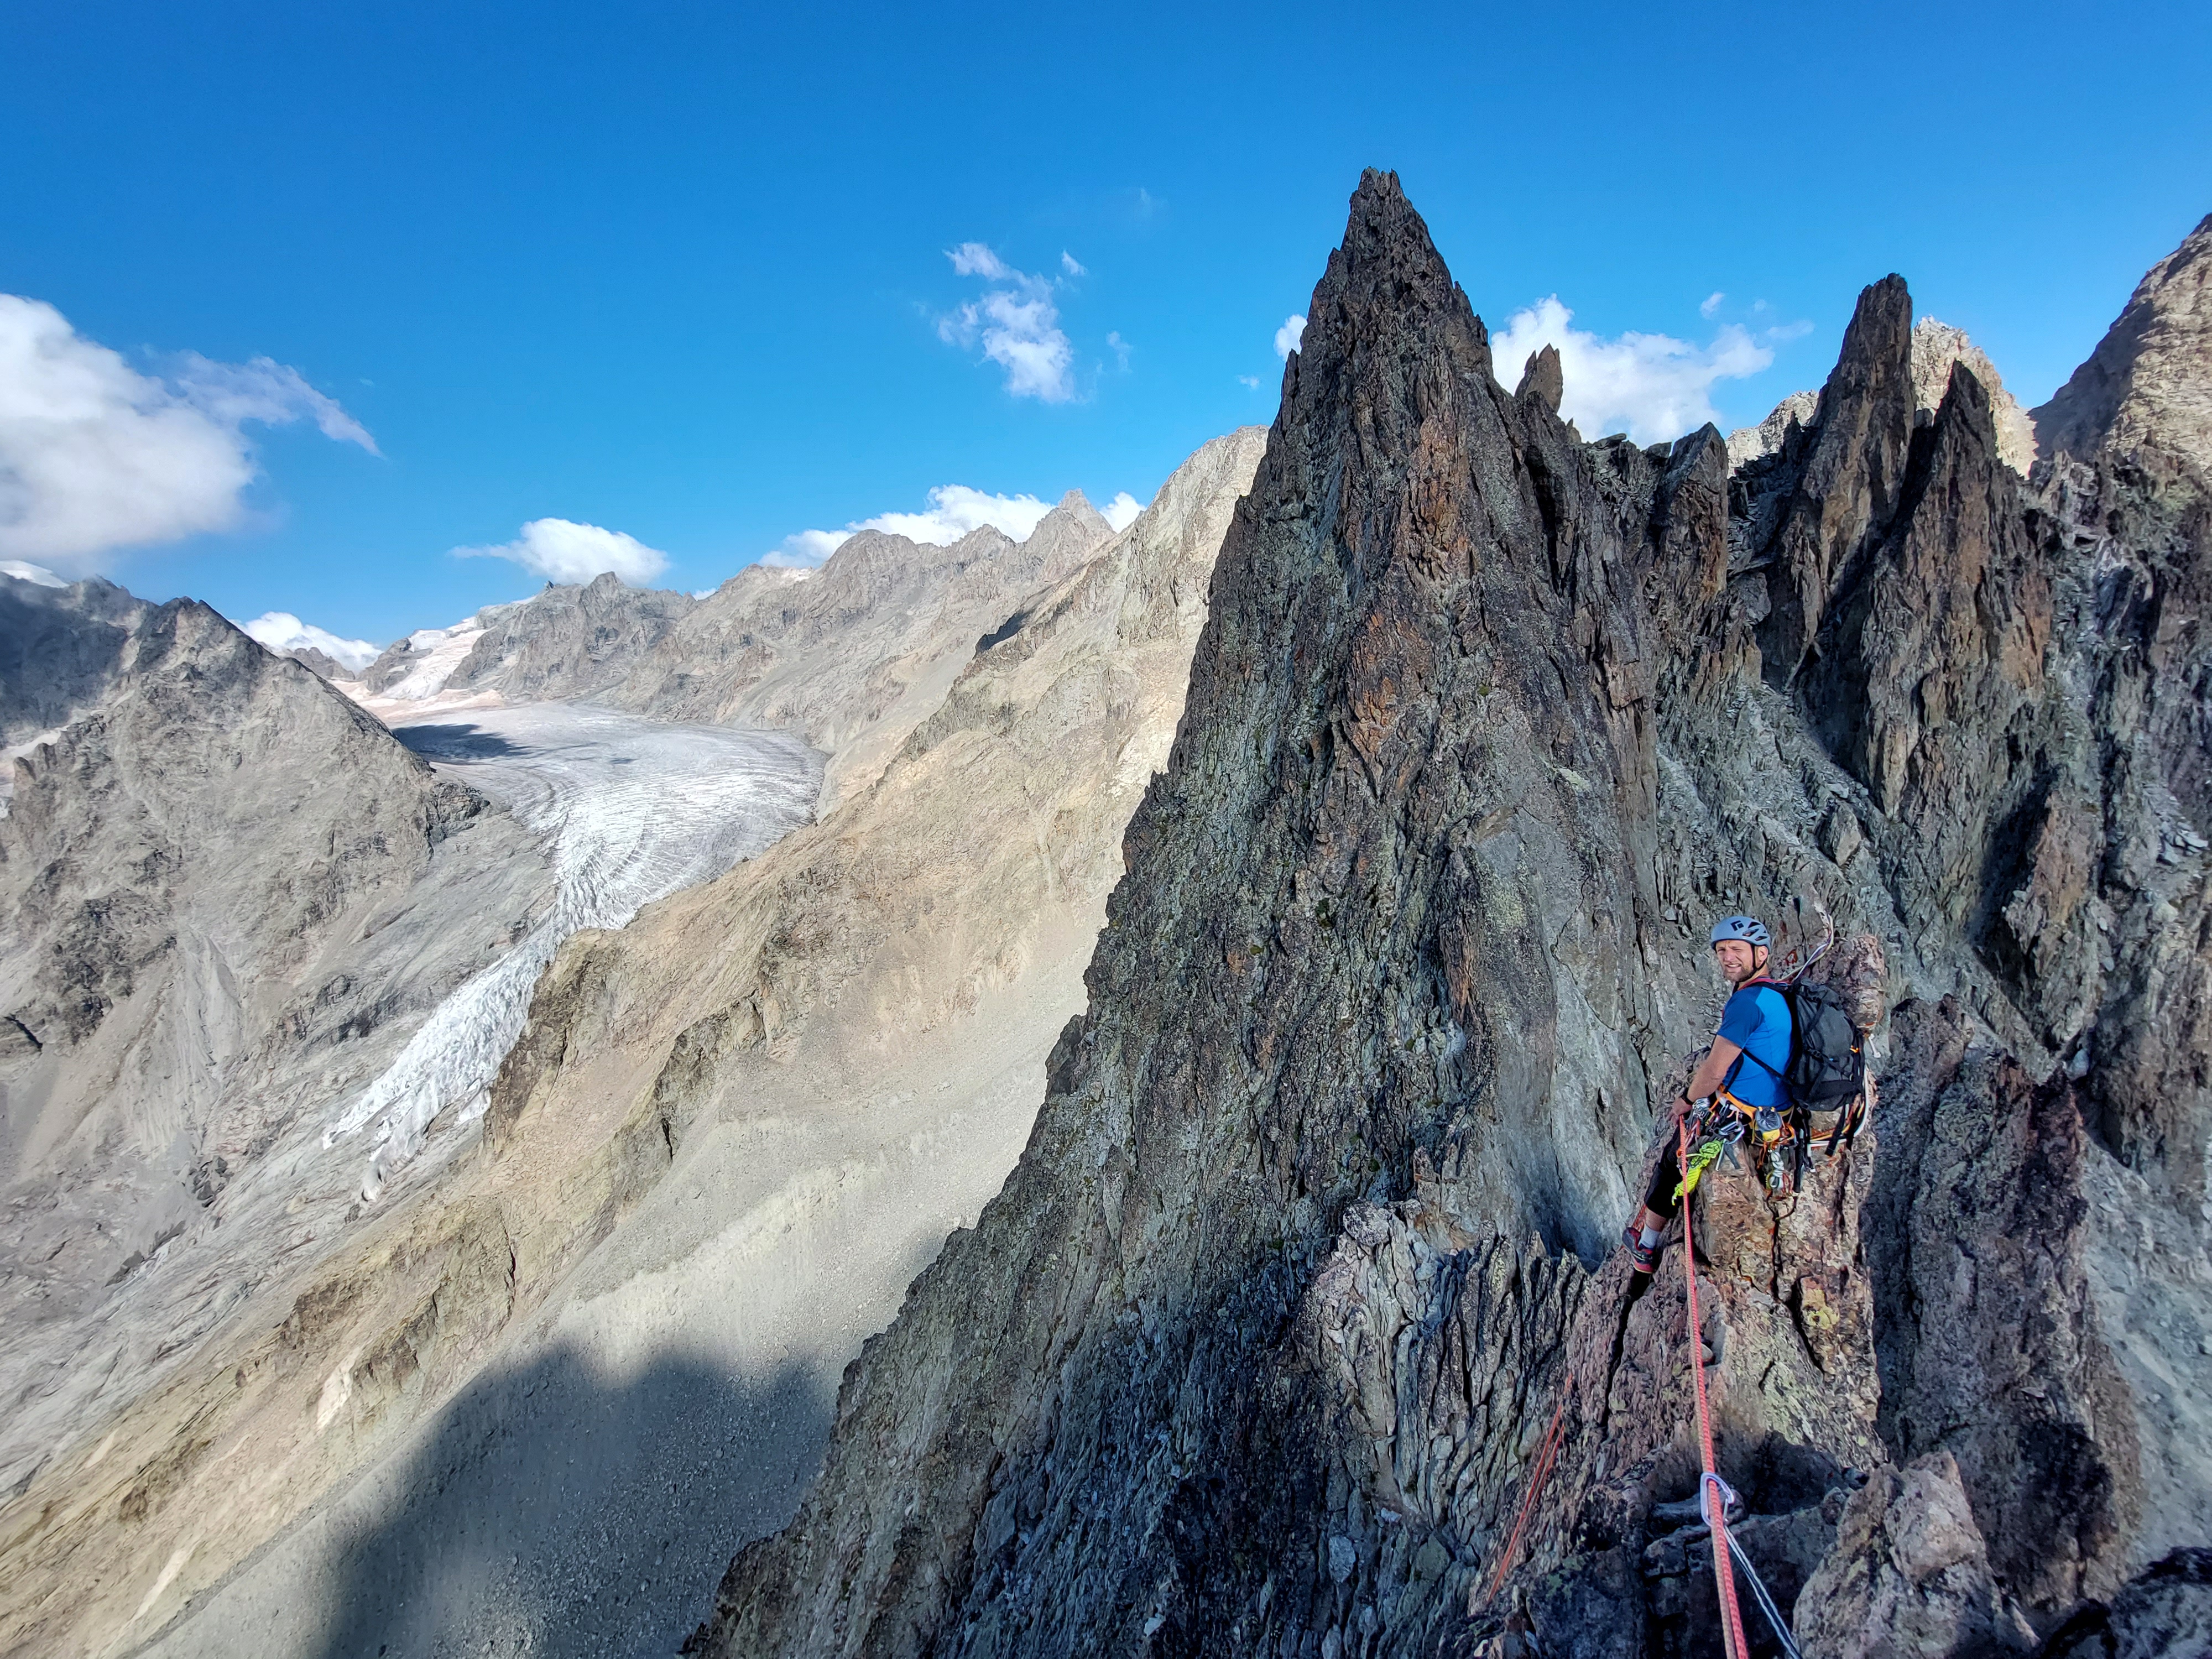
1542, 378
1852, 473
1314, 1218
1935, 347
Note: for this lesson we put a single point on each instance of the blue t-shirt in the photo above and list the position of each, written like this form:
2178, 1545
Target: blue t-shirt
1757, 1020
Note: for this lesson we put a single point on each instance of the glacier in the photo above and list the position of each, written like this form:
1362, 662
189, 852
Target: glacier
633, 811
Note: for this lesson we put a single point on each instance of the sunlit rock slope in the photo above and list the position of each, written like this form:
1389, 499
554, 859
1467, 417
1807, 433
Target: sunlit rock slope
863, 650
732, 1132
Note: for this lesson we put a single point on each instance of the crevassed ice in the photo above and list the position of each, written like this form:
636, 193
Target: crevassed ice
440, 652
634, 810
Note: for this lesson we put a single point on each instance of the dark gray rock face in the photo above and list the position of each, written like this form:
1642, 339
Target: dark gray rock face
60, 649
2163, 1614
1987, 1347
1253, 1352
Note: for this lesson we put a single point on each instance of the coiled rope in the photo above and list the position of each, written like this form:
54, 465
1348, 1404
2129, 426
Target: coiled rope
1712, 1492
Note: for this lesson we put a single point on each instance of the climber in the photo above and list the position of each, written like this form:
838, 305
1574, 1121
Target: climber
1754, 1027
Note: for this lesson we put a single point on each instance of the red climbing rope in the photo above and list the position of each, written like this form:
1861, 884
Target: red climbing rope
1712, 1492
1547, 1455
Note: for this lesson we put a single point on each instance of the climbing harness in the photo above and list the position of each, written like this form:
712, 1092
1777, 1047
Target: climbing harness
1777, 1139
1715, 1516
1545, 1455
1719, 1122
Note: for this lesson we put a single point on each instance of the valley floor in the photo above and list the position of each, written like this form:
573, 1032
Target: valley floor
582, 1497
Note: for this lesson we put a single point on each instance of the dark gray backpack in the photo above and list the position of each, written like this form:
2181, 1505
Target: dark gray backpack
1826, 1069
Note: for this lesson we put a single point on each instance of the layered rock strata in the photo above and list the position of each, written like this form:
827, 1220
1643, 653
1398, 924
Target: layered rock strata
1253, 1352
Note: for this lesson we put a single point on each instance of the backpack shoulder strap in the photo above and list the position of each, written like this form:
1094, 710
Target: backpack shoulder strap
1781, 988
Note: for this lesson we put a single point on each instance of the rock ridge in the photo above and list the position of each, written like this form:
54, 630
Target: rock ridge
1251, 1351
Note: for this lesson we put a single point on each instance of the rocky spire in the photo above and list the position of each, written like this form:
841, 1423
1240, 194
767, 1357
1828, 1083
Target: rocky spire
1846, 485
1066, 536
2150, 381
1543, 379
1315, 1218
1935, 347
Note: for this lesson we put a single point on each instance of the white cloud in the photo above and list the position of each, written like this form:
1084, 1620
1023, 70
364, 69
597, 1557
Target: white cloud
804, 549
1654, 387
1289, 335
562, 551
1252, 380
976, 259
23, 571
954, 510
1121, 348
1121, 512
1071, 265
281, 631
95, 455
1710, 307
1016, 323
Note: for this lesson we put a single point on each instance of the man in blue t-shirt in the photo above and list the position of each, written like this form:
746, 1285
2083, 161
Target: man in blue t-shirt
1749, 1054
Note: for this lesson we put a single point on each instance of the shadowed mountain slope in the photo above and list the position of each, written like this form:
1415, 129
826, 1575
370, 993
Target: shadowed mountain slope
60, 650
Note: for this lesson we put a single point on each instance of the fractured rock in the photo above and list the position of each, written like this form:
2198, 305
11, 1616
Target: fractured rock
1482, 717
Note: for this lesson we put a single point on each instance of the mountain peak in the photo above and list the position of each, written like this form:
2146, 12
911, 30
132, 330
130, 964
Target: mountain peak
1066, 538
2150, 381
1935, 347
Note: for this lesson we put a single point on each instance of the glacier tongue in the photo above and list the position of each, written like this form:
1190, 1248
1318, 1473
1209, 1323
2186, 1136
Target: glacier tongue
634, 810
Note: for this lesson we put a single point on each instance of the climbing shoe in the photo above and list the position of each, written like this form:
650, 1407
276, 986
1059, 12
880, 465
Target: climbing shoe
1641, 1256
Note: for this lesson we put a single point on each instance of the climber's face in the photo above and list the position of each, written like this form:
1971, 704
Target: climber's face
1738, 961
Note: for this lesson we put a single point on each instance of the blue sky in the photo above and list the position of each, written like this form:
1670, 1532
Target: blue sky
682, 272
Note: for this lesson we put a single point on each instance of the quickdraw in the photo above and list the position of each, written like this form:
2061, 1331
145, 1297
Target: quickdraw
1712, 1129
1723, 1121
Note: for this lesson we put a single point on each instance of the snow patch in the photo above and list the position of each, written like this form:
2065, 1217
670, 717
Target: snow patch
438, 652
